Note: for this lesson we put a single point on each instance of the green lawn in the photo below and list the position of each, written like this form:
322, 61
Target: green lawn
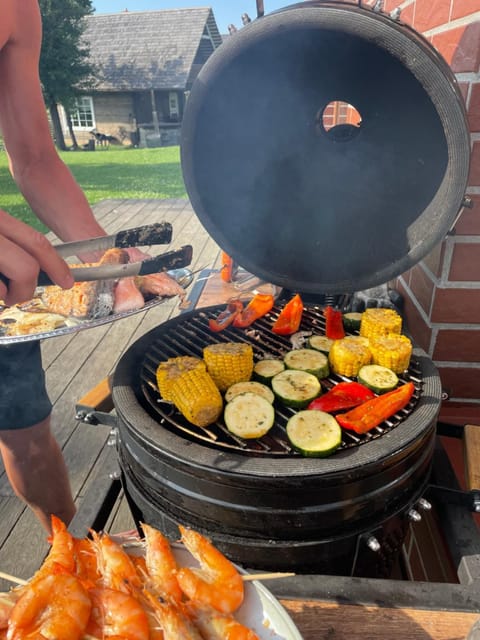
107, 173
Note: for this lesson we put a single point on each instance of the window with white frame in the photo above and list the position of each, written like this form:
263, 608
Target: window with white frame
82, 114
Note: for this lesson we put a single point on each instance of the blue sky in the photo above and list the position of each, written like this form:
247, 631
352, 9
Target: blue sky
226, 11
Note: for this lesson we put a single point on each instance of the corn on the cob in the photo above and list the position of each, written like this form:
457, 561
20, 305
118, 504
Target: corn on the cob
228, 363
380, 322
185, 382
169, 371
348, 355
393, 351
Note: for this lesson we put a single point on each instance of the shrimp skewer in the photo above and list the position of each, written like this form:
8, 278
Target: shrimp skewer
117, 615
55, 607
61, 553
161, 564
217, 583
116, 568
7, 602
174, 620
214, 625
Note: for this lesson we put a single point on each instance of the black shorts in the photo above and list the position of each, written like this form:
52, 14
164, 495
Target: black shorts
23, 396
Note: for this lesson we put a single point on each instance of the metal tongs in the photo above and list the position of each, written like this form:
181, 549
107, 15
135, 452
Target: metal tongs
153, 234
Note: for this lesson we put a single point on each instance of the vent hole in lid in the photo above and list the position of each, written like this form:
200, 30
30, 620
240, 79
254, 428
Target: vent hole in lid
339, 120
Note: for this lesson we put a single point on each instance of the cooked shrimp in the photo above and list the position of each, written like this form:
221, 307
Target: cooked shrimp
161, 564
215, 625
86, 562
7, 602
56, 607
114, 564
217, 583
174, 620
117, 615
60, 557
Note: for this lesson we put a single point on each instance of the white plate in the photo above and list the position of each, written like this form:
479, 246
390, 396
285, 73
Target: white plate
260, 610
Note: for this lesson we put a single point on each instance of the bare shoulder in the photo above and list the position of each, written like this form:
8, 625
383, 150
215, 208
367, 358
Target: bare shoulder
20, 23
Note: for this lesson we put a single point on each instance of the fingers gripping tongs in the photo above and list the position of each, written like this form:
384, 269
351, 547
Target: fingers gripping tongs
160, 233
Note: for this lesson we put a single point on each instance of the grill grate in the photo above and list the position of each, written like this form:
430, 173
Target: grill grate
189, 334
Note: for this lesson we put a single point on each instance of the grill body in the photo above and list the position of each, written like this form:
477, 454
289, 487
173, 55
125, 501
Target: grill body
263, 504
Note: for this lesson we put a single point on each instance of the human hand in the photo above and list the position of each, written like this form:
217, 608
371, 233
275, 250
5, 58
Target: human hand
23, 253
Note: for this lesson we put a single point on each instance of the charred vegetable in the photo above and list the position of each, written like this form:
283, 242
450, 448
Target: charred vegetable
249, 415
344, 395
314, 433
372, 413
288, 321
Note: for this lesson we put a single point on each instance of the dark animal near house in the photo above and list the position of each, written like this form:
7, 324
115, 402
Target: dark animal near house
103, 139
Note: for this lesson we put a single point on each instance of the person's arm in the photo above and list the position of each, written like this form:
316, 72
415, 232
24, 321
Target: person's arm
42, 177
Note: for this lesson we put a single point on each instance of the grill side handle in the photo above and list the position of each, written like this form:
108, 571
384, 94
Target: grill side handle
96, 406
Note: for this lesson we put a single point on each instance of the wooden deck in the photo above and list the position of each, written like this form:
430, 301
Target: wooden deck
77, 362
321, 607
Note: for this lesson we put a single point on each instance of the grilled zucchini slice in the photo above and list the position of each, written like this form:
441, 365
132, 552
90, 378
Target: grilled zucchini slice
320, 343
377, 378
249, 387
309, 360
264, 370
352, 321
314, 433
249, 416
296, 388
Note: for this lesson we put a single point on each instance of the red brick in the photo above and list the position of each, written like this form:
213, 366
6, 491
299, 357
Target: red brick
434, 260
474, 177
408, 14
464, 86
461, 8
474, 108
465, 266
460, 382
460, 412
457, 345
460, 47
468, 223
389, 5
460, 306
430, 14
415, 324
422, 288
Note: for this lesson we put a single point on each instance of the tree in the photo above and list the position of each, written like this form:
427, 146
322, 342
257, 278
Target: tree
65, 70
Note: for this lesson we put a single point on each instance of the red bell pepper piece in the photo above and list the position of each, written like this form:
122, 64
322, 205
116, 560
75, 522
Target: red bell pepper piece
258, 306
288, 321
333, 324
344, 395
374, 412
226, 317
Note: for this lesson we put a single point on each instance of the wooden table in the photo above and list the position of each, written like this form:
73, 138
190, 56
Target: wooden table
328, 621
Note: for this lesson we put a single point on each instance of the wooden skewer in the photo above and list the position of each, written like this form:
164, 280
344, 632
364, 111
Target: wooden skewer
266, 576
245, 578
7, 576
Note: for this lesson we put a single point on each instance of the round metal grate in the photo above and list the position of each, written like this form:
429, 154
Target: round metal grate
188, 335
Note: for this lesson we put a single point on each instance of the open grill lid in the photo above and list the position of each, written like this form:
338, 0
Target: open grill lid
315, 210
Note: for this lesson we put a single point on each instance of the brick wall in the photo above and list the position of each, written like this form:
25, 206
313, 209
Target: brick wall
443, 292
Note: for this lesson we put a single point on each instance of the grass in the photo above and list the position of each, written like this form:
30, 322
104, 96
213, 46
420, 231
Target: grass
107, 173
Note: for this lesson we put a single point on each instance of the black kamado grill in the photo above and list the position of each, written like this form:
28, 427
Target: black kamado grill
321, 211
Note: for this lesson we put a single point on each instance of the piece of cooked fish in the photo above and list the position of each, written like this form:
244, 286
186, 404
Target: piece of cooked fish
14, 321
86, 300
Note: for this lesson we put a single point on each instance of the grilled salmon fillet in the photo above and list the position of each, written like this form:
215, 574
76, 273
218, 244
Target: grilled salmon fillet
86, 300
